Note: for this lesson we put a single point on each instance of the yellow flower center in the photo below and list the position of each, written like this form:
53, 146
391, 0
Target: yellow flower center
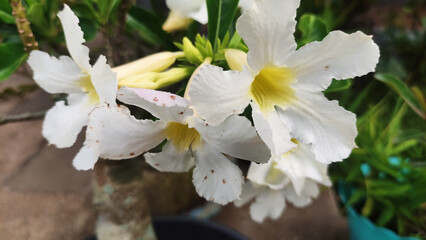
88, 87
274, 176
182, 136
271, 87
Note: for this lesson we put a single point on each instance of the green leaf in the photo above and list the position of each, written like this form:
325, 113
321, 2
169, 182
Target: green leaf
12, 56
89, 28
7, 18
149, 27
221, 13
385, 216
403, 91
312, 28
339, 85
105, 9
193, 55
6, 12
39, 21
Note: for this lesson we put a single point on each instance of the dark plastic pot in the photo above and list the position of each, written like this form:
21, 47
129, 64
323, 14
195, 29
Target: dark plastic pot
189, 228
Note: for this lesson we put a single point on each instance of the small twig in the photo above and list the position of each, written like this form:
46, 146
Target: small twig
22, 117
23, 25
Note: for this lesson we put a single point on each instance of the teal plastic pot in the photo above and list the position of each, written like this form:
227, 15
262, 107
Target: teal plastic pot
361, 228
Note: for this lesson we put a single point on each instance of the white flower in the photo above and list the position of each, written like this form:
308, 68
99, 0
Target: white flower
182, 11
114, 134
294, 178
85, 85
284, 85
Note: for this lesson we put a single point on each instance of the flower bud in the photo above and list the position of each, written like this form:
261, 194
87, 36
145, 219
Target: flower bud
156, 80
236, 59
153, 63
176, 22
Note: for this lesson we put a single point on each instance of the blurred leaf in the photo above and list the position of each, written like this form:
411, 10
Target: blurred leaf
339, 85
398, 86
312, 29
387, 188
89, 28
83, 10
221, 13
39, 21
385, 216
149, 27
105, 9
12, 56
6, 12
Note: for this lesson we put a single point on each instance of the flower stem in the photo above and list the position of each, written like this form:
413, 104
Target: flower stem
23, 25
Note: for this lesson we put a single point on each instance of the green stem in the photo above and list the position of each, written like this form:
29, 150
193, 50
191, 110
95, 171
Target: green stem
23, 25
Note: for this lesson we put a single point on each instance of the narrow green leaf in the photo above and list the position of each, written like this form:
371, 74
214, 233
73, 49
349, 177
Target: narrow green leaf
221, 13
403, 91
12, 56
385, 216
149, 28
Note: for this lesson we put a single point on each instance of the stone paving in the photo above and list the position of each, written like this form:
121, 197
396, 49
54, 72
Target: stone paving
42, 197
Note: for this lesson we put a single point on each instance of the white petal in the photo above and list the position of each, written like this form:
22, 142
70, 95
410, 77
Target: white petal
272, 131
186, 8
297, 199
105, 81
85, 158
245, 4
74, 38
164, 105
330, 129
63, 123
200, 15
338, 55
249, 192
235, 137
118, 135
55, 75
215, 177
265, 174
170, 159
267, 28
311, 189
217, 94
300, 163
270, 204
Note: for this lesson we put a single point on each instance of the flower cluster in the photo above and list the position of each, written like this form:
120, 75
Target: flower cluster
297, 131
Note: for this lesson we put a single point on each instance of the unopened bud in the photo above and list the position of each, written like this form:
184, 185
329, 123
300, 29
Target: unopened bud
153, 63
236, 59
176, 22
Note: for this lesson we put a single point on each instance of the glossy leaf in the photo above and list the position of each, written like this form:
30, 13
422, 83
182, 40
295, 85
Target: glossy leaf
12, 56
